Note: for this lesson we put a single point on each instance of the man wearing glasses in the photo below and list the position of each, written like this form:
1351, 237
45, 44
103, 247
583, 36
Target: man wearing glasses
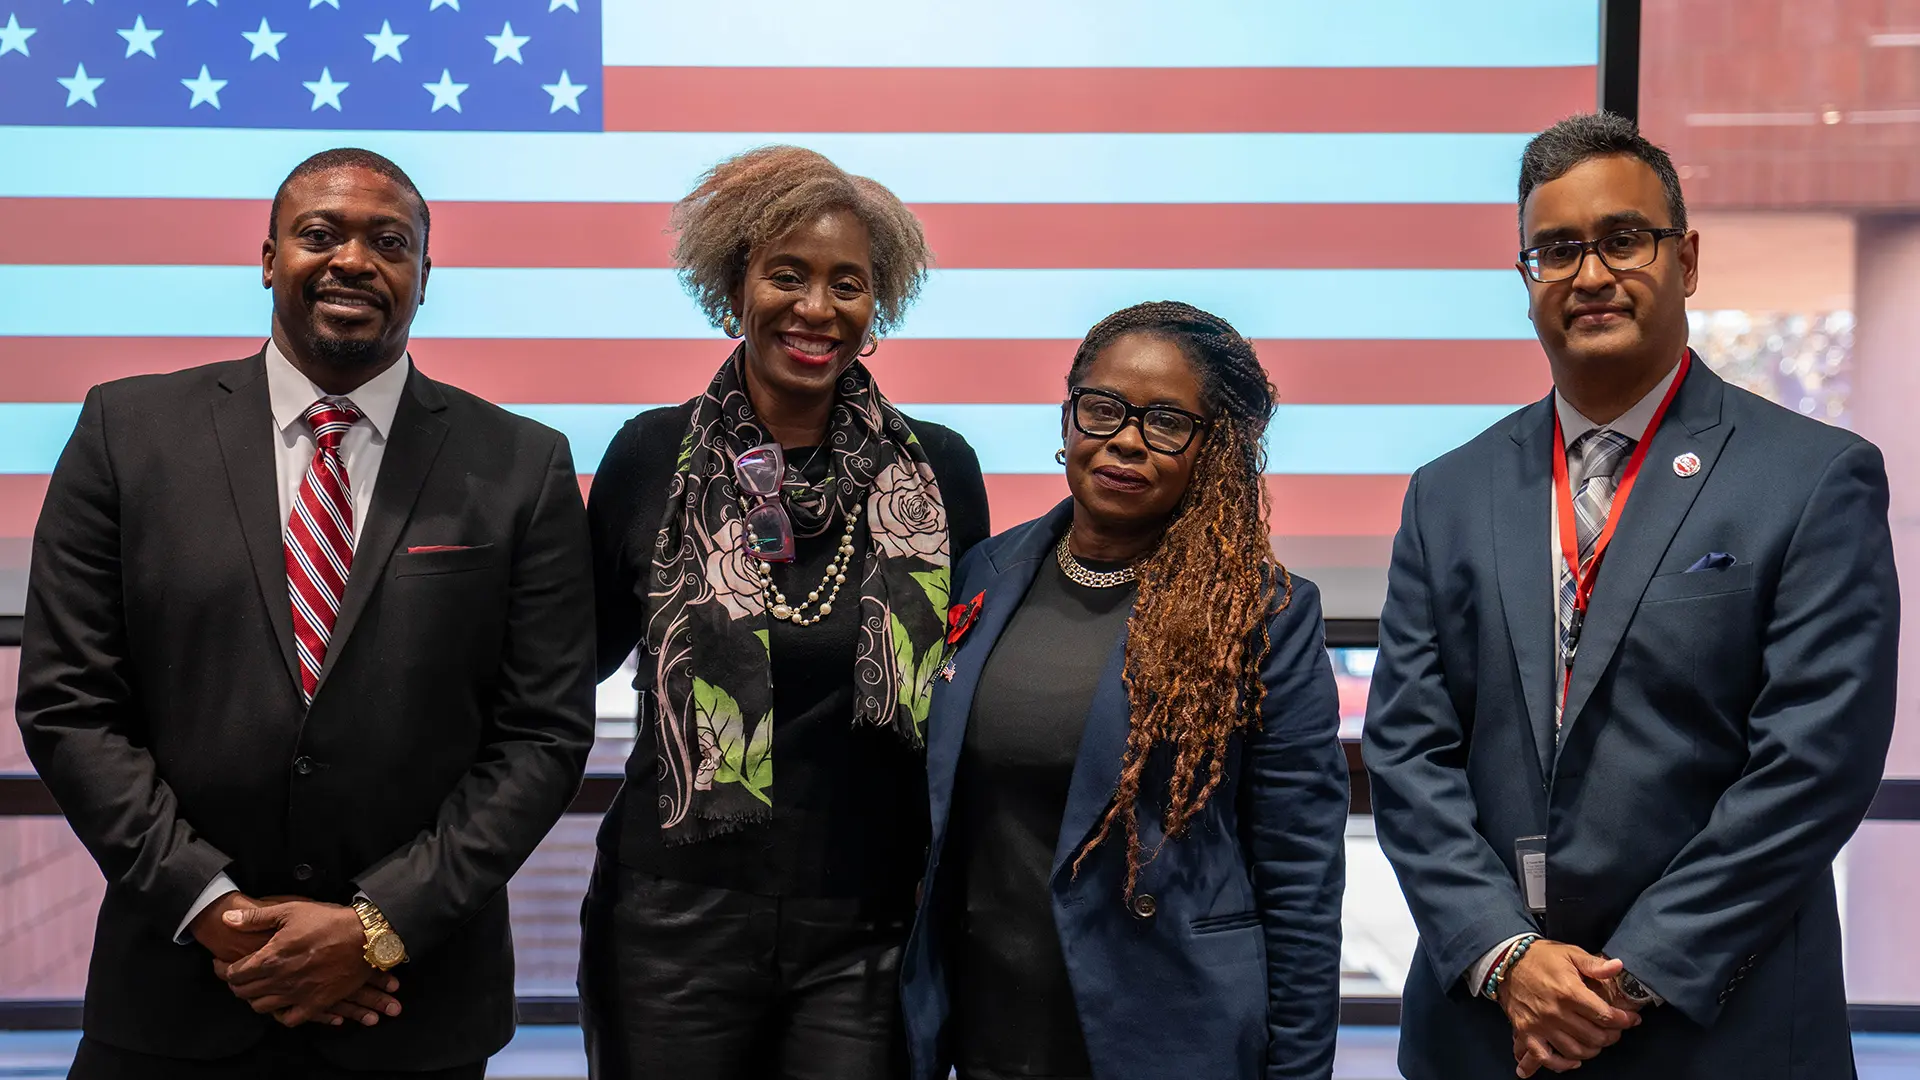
1636, 680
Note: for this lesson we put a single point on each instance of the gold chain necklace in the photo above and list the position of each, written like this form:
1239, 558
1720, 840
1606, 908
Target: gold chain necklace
1092, 579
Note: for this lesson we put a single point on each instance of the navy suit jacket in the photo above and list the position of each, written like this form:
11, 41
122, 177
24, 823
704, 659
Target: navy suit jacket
1723, 736
1228, 962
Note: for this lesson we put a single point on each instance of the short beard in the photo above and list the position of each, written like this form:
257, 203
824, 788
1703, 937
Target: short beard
341, 352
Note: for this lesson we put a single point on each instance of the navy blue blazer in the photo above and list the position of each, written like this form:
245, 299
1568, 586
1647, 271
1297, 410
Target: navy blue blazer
1725, 731
1233, 968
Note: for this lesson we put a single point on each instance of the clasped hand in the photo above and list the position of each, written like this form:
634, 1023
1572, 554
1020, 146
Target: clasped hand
1562, 1006
300, 960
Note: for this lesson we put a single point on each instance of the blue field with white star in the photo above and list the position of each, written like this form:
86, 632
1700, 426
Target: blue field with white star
474, 65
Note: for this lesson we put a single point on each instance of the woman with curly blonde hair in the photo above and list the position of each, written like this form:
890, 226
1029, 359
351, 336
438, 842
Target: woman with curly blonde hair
779, 549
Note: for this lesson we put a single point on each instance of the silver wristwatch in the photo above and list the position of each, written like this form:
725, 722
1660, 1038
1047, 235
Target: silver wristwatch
1634, 990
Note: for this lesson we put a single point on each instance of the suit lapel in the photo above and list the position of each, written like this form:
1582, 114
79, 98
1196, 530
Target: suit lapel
418, 431
1657, 505
1014, 566
1522, 512
1096, 771
243, 424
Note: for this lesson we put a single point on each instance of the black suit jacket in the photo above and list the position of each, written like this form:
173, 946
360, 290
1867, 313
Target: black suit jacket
159, 699
1724, 733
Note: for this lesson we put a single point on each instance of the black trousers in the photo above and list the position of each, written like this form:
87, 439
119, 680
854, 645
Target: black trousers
689, 982
277, 1057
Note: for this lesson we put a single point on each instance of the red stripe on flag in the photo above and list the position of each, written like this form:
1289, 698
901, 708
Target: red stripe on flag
1303, 506
1316, 505
228, 232
20, 499
659, 371
1362, 99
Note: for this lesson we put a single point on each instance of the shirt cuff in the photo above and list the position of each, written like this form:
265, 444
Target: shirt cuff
1477, 974
220, 886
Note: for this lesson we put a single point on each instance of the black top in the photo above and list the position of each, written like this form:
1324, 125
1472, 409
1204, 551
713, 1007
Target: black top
1013, 1008
850, 809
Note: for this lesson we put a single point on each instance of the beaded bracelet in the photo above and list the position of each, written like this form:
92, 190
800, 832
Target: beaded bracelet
1491, 989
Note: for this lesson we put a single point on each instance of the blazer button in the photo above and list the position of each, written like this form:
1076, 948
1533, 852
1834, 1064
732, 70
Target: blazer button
302, 872
303, 765
1145, 906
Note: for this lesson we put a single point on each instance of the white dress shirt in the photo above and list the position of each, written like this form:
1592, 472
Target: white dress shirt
290, 394
1633, 424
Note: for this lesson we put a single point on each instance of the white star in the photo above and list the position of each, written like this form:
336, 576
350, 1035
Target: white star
265, 41
63, 3
566, 93
386, 42
326, 91
13, 37
552, 5
335, 4
80, 88
205, 88
139, 38
507, 46
190, 3
445, 92
438, 4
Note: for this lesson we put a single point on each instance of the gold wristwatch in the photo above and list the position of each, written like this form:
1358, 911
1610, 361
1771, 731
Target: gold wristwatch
384, 950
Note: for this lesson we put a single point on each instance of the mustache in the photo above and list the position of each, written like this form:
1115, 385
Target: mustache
313, 290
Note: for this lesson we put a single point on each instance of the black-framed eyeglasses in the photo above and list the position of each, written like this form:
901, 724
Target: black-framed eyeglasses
1102, 413
1628, 249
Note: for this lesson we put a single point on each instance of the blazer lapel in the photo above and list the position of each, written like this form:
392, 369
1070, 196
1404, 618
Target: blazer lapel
1014, 566
243, 424
1655, 508
1096, 772
1522, 514
418, 431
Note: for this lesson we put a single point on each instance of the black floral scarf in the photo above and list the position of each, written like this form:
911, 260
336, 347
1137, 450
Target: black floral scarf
708, 627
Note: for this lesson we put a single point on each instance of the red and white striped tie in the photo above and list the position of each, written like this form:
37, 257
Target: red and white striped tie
320, 539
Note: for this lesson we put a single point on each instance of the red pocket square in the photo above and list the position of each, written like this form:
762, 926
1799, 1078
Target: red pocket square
425, 548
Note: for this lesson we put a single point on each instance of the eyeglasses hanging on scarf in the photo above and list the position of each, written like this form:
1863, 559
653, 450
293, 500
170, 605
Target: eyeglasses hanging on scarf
761, 474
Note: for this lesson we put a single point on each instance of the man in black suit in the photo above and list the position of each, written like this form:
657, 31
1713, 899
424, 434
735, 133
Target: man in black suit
304, 664
1636, 680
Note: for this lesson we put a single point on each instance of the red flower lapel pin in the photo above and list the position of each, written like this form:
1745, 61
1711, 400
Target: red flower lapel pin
960, 619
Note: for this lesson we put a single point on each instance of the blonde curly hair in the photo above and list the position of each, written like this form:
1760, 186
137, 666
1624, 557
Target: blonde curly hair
755, 197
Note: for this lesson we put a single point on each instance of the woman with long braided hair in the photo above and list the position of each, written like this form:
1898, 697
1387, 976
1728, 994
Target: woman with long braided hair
1138, 792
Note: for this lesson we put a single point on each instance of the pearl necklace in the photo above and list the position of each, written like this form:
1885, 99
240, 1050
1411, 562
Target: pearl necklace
1092, 579
776, 601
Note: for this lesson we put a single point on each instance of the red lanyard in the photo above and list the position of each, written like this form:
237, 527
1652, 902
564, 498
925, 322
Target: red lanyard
1569, 538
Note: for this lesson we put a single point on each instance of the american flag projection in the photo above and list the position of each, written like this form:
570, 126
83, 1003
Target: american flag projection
1336, 179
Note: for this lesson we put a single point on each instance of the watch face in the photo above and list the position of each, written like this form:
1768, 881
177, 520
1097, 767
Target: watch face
387, 950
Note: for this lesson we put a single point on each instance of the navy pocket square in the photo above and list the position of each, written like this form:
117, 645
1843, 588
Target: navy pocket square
1712, 560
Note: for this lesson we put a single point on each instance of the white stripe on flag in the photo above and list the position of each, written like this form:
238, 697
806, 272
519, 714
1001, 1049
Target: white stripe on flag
1107, 33
213, 163
560, 303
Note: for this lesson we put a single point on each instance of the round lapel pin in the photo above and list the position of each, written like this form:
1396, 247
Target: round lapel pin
1686, 464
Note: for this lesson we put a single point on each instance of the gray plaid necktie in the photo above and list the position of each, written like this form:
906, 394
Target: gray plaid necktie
1593, 462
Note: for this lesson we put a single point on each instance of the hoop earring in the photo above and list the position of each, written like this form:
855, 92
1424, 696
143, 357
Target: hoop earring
730, 325
873, 344
1060, 455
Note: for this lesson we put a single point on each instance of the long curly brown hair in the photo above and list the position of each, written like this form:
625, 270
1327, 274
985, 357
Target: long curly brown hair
1198, 633
761, 195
